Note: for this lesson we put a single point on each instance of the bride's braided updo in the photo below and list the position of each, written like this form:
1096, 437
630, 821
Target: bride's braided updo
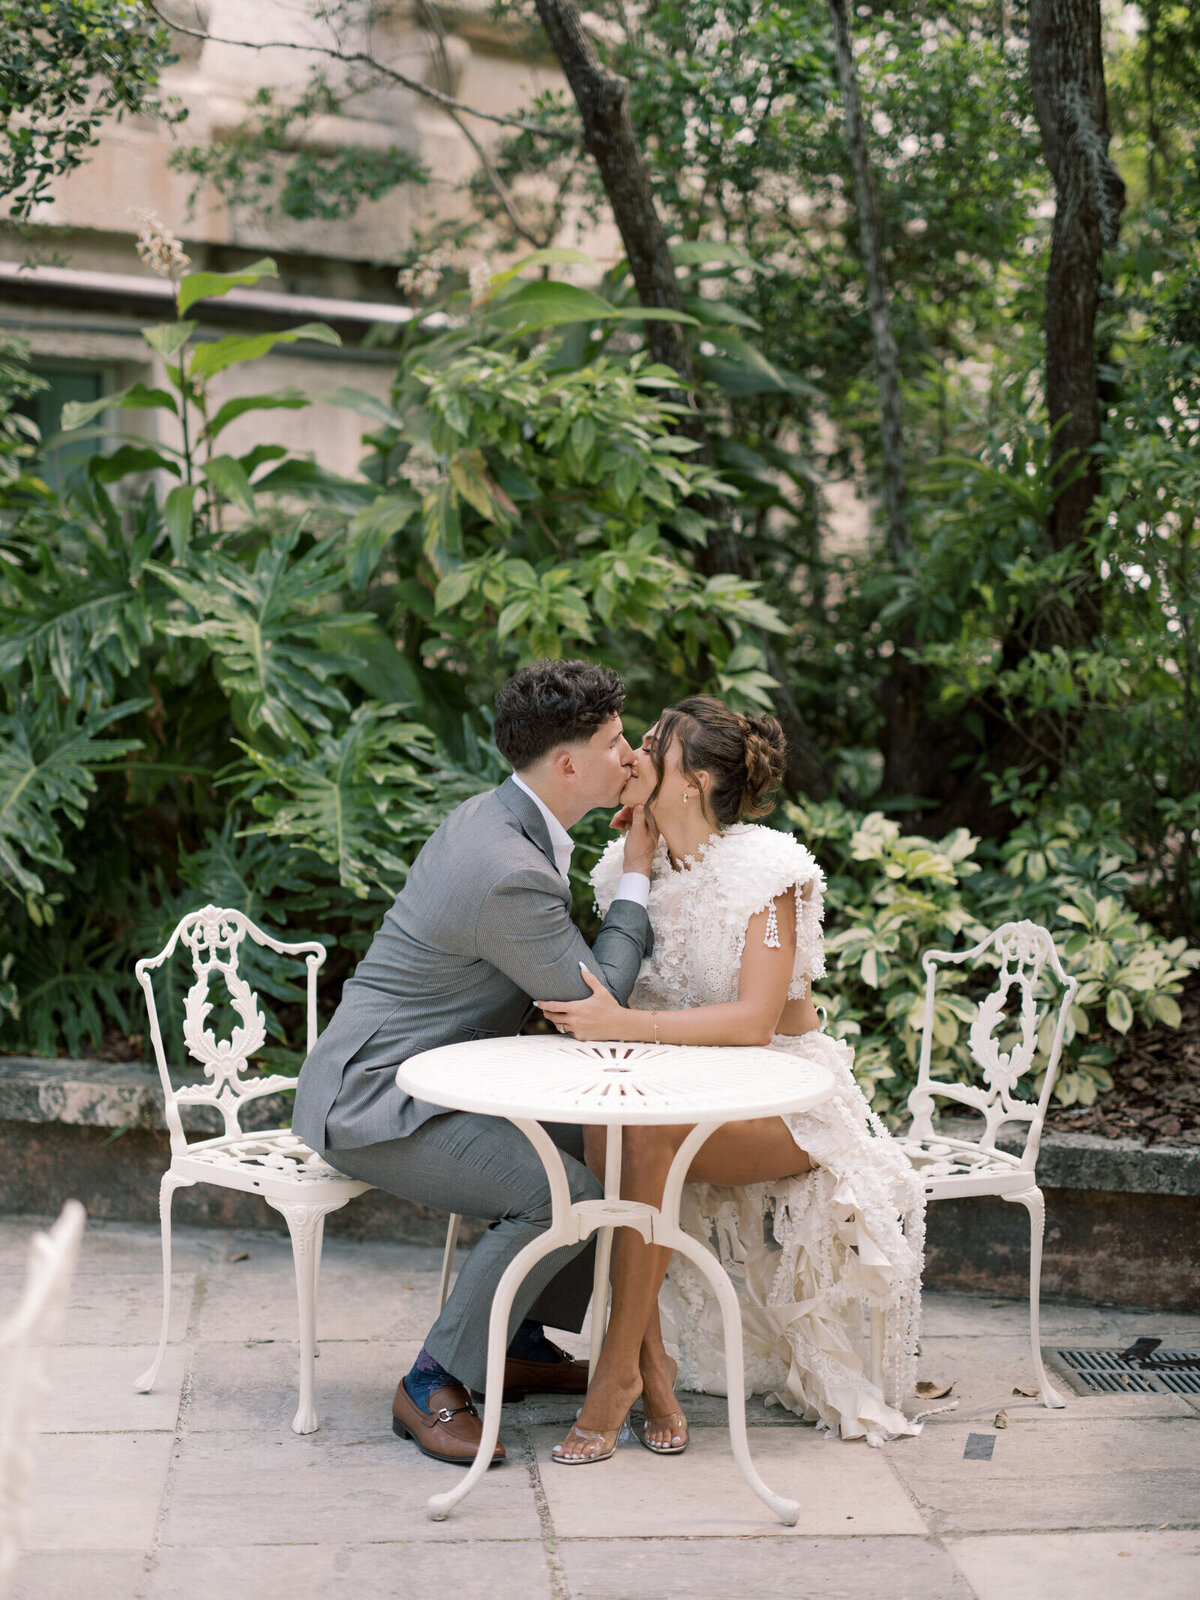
743, 756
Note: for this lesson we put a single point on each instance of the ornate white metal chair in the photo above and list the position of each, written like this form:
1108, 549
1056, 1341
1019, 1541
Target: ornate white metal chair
26, 1340
274, 1163
955, 1168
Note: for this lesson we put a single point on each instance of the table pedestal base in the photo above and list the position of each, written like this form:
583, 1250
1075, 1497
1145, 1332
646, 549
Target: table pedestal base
571, 1223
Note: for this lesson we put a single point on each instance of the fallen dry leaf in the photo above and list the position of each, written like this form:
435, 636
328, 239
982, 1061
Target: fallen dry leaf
1001, 1420
1030, 1394
933, 1391
242, 1255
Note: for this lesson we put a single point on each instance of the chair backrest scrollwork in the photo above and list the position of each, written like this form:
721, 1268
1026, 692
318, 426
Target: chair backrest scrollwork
1027, 958
214, 935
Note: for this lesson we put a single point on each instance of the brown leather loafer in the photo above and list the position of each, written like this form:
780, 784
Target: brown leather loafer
564, 1376
449, 1431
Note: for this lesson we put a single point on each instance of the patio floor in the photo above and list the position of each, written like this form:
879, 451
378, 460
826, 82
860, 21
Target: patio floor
201, 1489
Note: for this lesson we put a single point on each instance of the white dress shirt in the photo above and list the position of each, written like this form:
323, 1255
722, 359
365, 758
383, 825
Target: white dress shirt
633, 885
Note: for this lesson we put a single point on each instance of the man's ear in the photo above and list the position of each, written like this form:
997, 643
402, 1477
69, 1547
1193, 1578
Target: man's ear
562, 766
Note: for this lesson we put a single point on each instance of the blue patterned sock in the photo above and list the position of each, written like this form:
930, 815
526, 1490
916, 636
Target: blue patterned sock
530, 1343
426, 1377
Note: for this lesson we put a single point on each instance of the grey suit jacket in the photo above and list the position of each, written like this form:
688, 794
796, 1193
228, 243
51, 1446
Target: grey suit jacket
481, 928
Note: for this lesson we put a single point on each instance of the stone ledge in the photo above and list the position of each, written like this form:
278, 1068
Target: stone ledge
126, 1095
111, 1094
1086, 1161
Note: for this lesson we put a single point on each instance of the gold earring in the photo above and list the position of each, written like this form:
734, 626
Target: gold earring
687, 795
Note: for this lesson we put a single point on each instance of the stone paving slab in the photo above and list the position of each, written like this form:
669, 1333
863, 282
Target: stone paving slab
1054, 1472
256, 1297
768, 1569
246, 1489
253, 1386
93, 1390
499, 1570
119, 1308
201, 1490
842, 1489
98, 1491
1149, 1564
79, 1575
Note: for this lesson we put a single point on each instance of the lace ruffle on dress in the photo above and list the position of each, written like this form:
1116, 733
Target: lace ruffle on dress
808, 1255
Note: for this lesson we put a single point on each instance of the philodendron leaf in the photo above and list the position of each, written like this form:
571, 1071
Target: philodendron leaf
276, 399
169, 338
209, 285
554, 256
177, 515
130, 458
549, 305
78, 413
208, 359
228, 478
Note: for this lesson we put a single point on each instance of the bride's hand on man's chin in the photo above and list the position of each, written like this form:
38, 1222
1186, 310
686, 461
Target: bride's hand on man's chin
593, 1018
641, 837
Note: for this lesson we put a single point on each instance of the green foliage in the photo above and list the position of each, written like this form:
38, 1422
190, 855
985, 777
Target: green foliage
66, 67
892, 896
245, 701
46, 776
518, 498
265, 164
18, 435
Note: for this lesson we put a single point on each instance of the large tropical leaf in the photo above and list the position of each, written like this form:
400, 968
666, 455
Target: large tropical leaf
46, 756
71, 983
78, 607
351, 800
269, 634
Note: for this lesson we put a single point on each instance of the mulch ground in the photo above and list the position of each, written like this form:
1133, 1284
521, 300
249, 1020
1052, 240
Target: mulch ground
1156, 1085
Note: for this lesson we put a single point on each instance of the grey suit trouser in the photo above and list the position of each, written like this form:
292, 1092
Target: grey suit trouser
484, 1167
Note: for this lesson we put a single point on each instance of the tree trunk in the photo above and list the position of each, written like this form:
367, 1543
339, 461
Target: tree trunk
922, 755
1067, 77
603, 100
887, 361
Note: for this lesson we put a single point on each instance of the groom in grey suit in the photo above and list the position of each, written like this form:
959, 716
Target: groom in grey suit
480, 930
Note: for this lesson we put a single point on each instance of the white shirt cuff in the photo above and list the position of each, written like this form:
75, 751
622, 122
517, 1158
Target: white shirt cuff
634, 886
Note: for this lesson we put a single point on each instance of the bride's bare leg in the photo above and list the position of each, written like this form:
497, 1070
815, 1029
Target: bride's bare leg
739, 1152
637, 1273
664, 1427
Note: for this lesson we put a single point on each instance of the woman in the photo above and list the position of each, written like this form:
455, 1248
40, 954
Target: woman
817, 1215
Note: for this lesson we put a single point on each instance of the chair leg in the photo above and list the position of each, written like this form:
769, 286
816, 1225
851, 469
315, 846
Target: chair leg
166, 1191
1033, 1202
452, 1228
306, 1224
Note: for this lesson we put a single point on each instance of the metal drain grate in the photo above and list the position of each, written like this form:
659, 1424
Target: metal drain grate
1144, 1368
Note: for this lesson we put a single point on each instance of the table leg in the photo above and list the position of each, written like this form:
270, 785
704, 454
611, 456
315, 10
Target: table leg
668, 1232
563, 1229
604, 1242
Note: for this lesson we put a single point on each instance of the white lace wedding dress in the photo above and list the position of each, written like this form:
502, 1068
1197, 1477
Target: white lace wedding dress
808, 1255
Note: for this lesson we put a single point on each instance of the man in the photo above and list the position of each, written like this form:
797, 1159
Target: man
481, 928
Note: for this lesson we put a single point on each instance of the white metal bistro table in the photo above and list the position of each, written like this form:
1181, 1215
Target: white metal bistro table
536, 1079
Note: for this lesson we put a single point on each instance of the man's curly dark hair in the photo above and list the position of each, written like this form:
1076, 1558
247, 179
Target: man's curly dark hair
552, 703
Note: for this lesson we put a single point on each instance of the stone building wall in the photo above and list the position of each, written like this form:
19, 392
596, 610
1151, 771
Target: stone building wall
84, 327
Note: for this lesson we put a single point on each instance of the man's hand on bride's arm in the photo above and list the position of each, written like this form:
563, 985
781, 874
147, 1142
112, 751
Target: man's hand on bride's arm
641, 837
600, 1016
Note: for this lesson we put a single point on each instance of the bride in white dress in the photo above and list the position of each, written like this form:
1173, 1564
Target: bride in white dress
816, 1216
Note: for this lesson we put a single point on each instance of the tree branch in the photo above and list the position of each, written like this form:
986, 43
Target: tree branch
608, 135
